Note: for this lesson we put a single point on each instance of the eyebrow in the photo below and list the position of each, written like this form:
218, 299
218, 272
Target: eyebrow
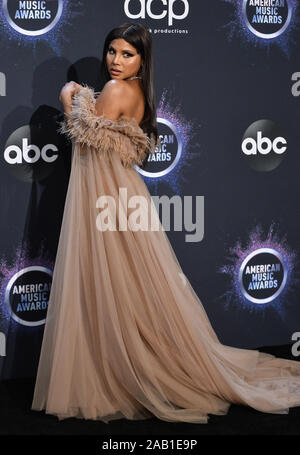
124, 50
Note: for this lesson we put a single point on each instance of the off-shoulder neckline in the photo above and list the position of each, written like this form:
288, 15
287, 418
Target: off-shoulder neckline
83, 116
121, 120
84, 125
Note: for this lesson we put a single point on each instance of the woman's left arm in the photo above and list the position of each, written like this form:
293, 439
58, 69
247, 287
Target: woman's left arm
65, 97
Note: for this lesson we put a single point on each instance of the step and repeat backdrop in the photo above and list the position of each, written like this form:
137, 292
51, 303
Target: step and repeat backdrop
227, 81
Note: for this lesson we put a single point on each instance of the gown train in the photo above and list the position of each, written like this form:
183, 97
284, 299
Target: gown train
126, 335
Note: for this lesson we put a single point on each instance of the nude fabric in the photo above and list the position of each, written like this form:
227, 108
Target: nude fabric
126, 336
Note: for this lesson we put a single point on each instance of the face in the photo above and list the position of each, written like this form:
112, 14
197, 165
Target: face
123, 57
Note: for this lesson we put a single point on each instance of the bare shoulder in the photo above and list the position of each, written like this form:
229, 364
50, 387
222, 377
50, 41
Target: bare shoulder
116, 88
117, 97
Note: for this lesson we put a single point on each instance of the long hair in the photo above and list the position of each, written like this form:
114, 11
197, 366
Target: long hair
139, 37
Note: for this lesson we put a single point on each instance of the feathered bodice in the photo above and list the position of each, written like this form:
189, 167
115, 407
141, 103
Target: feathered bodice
83, 125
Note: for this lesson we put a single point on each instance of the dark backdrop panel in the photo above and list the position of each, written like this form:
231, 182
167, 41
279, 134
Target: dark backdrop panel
213, 79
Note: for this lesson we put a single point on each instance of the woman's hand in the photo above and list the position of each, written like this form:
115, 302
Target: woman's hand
68, 90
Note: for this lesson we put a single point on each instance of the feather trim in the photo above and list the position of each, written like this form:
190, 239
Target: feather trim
83, 125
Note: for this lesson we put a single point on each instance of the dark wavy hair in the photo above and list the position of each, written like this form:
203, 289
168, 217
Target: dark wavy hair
139, 37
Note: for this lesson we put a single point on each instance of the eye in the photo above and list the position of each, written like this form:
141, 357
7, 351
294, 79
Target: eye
126, 54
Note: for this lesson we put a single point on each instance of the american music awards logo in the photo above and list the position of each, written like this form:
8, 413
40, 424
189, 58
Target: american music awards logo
267, 18
27, 295
38, 19
168, 155
32, 17
179, 146
264, 22
25, 289
261, 273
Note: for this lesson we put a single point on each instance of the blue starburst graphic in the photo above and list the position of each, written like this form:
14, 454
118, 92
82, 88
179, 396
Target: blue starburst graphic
55, 38
234, 297
237, 28
187, 132
21, 260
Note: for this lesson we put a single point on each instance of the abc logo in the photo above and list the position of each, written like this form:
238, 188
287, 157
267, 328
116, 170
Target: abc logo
23, 153
264, 145
166, 9
31, 152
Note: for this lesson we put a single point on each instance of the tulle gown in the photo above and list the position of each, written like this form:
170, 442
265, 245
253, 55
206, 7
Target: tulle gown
126, 336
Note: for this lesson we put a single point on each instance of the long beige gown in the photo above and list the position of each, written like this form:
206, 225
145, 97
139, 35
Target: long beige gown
126, 336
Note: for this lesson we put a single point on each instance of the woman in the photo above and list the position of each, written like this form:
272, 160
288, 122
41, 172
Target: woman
126, 335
